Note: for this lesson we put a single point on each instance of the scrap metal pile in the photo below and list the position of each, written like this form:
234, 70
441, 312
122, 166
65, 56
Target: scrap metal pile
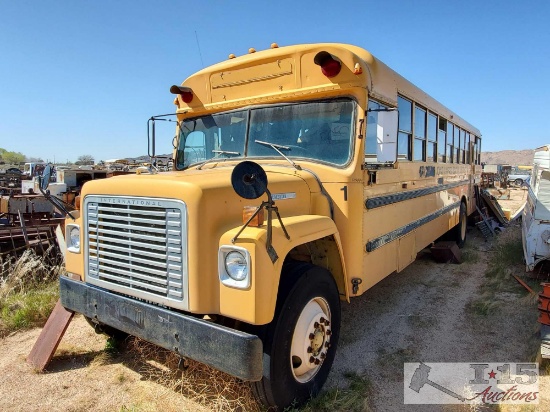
492, 217
27, 218
27, 221
10, 181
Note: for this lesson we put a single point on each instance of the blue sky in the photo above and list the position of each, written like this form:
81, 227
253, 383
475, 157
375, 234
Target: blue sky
83, 77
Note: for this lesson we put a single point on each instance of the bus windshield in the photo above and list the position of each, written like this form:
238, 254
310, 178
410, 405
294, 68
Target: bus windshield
320, 131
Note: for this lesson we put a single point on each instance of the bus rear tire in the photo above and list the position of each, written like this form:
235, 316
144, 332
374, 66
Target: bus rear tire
300, 342
460, 229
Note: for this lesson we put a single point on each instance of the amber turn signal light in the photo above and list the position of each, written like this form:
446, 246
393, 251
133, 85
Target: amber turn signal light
248, 212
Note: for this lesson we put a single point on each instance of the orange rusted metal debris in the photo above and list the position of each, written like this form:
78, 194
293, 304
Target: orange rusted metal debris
46, 344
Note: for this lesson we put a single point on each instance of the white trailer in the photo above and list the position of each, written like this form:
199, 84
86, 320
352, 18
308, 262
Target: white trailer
536, 213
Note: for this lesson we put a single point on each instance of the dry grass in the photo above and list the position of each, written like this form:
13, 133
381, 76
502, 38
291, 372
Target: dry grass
212, 389
28, 289
218, 391
28, 272
505, 260
354, 398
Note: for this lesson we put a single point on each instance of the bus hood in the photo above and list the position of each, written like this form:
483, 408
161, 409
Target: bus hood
210, 189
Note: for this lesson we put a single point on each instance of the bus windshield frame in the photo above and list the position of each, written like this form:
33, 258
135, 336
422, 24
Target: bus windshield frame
319, 131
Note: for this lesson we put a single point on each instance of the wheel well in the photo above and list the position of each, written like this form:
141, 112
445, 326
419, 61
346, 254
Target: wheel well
323, 252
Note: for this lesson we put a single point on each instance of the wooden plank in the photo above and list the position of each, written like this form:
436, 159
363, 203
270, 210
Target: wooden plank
46, 344
494, 207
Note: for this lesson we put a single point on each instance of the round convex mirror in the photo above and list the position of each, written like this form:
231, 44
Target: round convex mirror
249, 180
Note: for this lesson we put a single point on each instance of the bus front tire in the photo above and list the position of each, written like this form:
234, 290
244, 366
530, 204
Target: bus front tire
460, 229
300, 342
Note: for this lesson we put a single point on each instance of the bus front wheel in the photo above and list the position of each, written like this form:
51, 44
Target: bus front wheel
300, 343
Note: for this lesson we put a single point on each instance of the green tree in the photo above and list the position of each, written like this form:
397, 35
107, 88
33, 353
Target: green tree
13, 157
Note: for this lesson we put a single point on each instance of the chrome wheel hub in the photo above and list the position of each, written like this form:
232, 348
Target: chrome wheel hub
310, 340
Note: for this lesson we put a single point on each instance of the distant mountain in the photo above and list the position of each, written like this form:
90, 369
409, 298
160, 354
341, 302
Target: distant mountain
509, 157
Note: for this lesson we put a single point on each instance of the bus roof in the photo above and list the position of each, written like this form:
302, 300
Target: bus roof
290, 73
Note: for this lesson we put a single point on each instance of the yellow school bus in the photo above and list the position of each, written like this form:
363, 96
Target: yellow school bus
302, 176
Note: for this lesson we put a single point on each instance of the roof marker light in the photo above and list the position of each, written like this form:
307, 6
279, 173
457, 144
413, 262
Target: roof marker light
329, 65
185, 92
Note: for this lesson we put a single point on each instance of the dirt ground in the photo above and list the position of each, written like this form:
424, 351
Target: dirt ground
420, 314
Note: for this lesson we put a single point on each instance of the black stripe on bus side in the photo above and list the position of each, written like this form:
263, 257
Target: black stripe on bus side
380, 201
402, 231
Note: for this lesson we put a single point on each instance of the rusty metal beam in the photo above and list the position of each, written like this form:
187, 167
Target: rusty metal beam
48, 341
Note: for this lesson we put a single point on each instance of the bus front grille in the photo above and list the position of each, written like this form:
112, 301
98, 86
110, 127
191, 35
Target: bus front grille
138, 246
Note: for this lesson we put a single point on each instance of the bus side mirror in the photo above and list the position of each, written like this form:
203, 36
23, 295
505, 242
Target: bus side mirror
386, 136
44, 179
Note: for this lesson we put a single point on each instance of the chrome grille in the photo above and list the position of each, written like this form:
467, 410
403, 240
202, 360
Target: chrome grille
137, 246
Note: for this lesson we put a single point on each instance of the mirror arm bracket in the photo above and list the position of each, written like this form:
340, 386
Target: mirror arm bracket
269, 205
57, 203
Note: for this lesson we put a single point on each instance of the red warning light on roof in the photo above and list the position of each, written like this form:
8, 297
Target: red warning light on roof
329, 65
185, 92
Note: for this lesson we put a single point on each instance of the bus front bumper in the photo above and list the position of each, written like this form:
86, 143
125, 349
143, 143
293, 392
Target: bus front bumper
237, 353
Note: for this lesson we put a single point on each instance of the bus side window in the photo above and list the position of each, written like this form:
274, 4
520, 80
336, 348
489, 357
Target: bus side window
431, 145
456, 143
478, 151
450, 148
441, 136
419, 145
404, 138
469, 145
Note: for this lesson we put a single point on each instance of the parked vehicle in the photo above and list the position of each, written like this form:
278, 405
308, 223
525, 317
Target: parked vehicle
536, 213
352, 188
518, 178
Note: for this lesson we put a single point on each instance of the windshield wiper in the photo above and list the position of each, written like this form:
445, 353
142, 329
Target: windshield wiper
226, 152
217, 157
276, 147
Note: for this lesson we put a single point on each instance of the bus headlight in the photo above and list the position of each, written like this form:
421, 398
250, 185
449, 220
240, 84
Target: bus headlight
234, 266
72, 236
